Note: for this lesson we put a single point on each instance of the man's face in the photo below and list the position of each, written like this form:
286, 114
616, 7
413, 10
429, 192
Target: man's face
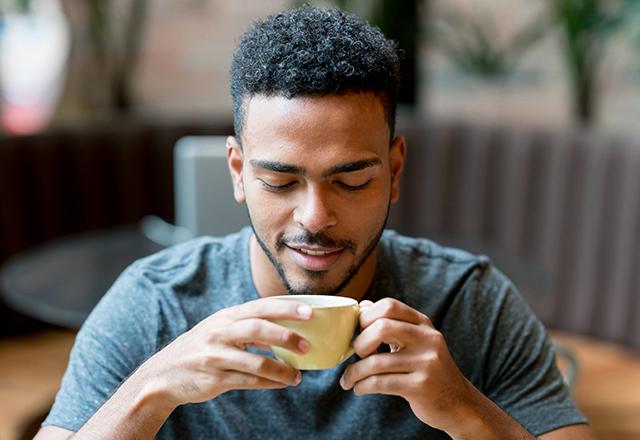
318, 175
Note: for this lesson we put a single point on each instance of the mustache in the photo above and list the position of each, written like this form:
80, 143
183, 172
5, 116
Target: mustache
309, 238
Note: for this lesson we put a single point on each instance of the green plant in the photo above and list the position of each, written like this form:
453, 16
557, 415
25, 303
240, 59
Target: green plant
587, 27
14, 5
23, 5
115, 49
475, 46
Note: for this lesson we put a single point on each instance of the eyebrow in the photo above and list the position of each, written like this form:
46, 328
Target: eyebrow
277, 167
352, 166
349, 167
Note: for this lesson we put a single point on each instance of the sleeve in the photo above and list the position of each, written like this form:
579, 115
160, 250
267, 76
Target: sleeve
118, 336
518, 370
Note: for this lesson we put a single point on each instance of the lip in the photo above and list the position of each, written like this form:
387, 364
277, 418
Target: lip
315, 262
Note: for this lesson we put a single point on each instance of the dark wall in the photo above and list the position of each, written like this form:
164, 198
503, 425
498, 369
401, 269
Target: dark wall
557, 211
71, 180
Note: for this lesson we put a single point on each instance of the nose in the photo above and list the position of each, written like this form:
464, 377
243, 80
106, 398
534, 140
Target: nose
314, 212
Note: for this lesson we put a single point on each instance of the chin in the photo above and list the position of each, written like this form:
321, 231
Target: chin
311, 290
312, 283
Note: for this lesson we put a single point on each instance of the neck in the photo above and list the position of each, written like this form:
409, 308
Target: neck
268, 282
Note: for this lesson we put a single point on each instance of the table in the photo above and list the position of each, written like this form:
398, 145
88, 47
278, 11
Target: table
61, 281
608, 385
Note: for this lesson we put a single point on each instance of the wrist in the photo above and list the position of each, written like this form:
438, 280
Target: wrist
481, 418
137, 410
150, 393
469, 420
471, 424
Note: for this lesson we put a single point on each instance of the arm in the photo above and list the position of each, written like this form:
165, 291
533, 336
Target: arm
201, 364
421, 370
575, 432
135, 410
53, 433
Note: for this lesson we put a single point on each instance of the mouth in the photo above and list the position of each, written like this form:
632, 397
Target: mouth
314, 258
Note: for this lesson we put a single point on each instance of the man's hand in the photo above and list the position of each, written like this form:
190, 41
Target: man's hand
210, 359
420, 369
199, 365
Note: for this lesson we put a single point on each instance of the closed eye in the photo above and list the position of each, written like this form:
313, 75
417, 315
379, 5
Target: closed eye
277, 188
353, 187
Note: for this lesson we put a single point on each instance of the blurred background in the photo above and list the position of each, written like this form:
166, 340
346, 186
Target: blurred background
551, 63
522, 123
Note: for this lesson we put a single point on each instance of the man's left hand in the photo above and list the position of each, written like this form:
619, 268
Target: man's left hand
419, 367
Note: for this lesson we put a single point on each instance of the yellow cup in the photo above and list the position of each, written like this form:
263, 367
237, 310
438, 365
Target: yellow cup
329, 331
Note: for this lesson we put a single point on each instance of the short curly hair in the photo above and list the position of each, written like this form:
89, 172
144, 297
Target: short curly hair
309, 51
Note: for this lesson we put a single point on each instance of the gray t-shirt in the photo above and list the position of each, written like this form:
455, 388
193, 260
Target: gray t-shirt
493, 336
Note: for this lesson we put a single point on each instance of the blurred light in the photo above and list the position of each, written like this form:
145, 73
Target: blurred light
34, 47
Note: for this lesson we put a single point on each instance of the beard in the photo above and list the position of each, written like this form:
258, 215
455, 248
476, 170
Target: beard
306, 237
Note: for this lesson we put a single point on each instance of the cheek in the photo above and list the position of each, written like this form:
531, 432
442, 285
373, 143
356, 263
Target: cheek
264, 210
376, 201
365, 216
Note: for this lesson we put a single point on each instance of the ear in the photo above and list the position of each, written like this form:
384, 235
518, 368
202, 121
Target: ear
235, 161
396, 159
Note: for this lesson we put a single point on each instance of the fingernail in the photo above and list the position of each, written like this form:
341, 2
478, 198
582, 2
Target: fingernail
303, 345
304, 311
298, 377
342, 383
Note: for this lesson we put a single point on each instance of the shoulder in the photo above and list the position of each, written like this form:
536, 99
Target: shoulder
440, 281
197, 254
424, 262
412, 248
170, 288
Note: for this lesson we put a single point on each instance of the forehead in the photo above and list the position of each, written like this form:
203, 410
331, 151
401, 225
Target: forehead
324, 129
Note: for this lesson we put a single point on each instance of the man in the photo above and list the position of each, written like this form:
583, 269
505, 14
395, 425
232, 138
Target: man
178, 347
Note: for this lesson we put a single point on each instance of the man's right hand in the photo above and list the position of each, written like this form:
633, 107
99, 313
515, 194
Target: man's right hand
211, 359
199, 365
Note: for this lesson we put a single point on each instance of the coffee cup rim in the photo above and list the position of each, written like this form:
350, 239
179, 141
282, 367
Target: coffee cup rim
344, 301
